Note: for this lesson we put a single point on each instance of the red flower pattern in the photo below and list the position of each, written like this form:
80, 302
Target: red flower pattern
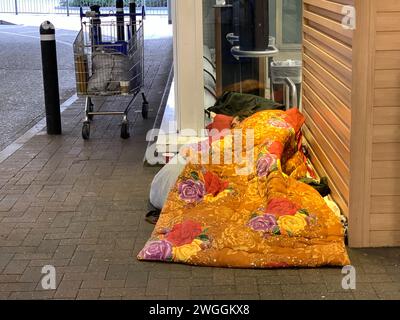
214, 185
282, 207
276, 148
184, 233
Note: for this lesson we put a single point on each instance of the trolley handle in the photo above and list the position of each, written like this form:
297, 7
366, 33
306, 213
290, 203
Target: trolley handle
93, 14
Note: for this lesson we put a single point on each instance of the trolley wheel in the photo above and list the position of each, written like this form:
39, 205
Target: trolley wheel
125, 130
145, 110
86, 130
90, 109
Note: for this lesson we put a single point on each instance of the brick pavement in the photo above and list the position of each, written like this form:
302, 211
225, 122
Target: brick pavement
80, 205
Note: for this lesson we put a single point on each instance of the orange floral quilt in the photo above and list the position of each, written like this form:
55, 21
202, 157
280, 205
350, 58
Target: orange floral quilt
252, 213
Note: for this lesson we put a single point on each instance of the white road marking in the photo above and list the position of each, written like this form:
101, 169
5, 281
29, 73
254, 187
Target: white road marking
7, 26
34, 37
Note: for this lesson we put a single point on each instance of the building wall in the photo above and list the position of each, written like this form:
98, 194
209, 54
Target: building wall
327, 87
351, 99
385, 168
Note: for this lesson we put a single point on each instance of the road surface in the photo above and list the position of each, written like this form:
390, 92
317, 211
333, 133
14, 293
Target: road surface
21, 84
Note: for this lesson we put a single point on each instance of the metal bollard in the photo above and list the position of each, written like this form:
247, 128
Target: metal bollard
50, 77
120, 20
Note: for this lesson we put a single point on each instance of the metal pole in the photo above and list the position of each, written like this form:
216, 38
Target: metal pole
133, 23
120, 20
169, 3
67, 8
96, 22
16, 7
132, 12
144, 6
50, 77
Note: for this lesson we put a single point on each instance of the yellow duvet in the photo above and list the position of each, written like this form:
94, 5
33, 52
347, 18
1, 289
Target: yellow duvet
239, 204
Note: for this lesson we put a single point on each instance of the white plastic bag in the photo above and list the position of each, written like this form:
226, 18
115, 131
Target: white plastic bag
165, 180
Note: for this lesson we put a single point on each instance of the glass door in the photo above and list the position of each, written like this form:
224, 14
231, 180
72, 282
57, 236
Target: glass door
288, 24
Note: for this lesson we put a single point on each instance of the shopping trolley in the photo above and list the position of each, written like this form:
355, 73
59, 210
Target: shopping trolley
109, 61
